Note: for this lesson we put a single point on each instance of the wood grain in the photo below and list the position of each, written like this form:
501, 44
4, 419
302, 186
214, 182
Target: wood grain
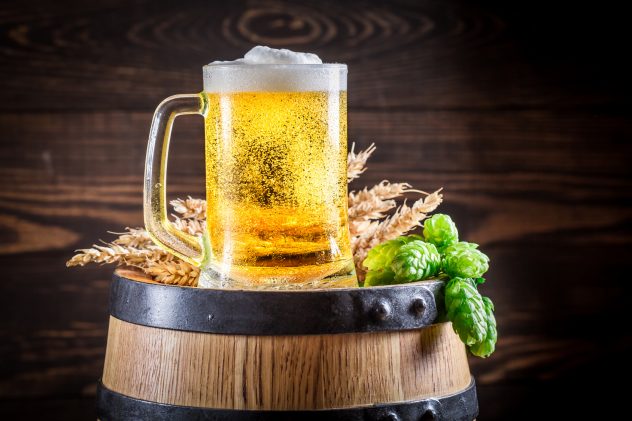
520, 110
283, 372
452, 55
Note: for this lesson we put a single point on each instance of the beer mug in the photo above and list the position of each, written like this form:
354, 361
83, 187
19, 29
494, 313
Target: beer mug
276, 185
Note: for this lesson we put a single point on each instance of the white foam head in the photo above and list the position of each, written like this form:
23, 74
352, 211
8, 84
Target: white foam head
264, 69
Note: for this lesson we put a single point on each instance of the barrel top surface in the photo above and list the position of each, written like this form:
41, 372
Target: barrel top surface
263, 312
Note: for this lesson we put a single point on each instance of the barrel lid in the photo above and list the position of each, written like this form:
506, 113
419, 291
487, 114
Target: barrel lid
261, 312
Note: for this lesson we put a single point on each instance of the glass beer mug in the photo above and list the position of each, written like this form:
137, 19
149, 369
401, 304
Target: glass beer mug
276, 184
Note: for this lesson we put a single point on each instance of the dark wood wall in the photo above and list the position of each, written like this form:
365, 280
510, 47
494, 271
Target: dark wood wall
520, 110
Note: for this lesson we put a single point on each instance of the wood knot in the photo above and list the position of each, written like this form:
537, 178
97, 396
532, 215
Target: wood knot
280, 26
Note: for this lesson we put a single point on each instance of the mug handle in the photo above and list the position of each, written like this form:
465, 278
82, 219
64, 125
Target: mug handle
187, 247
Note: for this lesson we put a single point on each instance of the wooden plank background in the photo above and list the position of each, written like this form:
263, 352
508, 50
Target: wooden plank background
520, 110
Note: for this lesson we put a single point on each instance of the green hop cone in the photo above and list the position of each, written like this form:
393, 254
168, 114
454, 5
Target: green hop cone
415, 261
459, 245
463, 260
379, 277
466, 310
487, 346
379, 259
381, 256
440, 230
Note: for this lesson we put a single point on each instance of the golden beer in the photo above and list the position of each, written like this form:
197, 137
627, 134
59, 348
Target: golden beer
276, 185
276, 175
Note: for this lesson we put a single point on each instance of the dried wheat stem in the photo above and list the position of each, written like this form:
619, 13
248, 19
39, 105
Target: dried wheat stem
368, 222
383, 190
375, 202
407, 218
116, 253
190, 226
365, 230
176, 272
371, 208
356, 162
190, 208
402, 221
133, 237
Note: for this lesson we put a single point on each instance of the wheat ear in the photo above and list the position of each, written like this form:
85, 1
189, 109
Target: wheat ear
401, 222
174, 272
356, 163
190, 208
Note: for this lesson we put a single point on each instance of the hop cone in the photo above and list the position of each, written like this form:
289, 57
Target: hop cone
379, 259
488, 345
379, 277
459, 245
381, 256
466, 311
440, 230
465, 261
415, 261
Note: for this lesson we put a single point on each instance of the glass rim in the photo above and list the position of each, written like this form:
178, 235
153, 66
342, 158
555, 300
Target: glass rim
332, 66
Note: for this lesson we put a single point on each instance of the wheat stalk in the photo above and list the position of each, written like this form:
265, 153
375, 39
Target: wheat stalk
119, 254
383, 190
404, 220
190, 208
190, 226
173, 272
133, 237
375, 202
369, 225
356, 163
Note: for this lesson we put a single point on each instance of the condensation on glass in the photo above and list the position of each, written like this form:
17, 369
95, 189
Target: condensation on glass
276, 186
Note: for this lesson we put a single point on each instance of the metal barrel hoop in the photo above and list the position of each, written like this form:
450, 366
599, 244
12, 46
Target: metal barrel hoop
259, 312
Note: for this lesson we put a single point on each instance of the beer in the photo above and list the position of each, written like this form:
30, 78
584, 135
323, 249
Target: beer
276, 174
276, 185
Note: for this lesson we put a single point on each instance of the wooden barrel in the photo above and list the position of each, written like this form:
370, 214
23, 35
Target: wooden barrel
182, 353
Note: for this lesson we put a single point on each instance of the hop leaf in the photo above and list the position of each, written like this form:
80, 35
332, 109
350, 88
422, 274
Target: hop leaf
487, 346
415, 261
440, 230
465, 261
466, 310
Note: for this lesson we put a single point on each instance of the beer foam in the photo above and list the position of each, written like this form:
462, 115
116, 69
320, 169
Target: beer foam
265, 69
266, 55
